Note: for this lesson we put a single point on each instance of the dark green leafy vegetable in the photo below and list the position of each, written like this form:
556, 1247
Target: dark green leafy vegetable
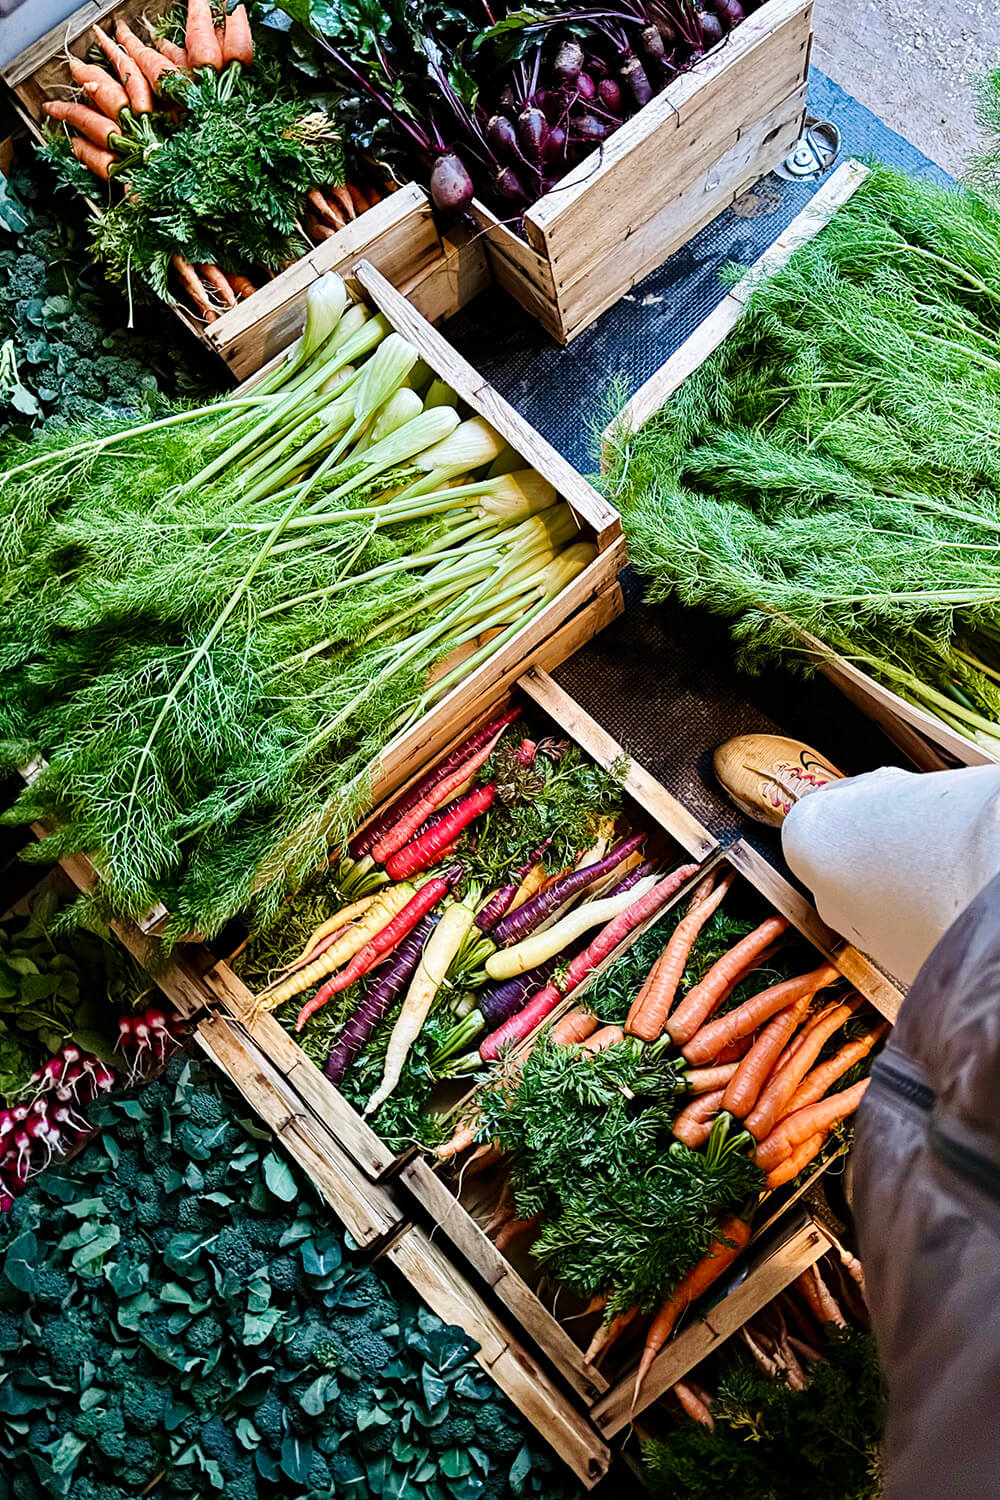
175, 1306
774, 1443
625, 1206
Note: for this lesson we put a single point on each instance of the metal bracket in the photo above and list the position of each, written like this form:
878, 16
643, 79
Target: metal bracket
813, 153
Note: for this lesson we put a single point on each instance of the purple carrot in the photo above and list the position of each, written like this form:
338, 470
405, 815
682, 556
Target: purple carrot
504, 1000
527, 917
648, 867
366, 840
499, 904
385, 986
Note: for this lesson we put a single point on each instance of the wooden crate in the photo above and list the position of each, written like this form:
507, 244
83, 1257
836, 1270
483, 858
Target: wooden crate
458, 1205
679, 832
398, 235
662, 176
929, 743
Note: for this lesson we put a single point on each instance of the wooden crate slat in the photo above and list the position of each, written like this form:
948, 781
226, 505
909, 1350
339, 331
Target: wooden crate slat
450, 282
841, 185
368, 1211
465, 380
691, 1346
599, 745
448, 1294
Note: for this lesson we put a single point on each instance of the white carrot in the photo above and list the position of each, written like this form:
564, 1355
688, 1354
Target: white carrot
442, 946
544, 944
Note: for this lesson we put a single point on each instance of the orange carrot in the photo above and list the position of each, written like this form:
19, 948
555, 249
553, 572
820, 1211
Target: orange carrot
816, 1292
89, 122
464, 1136
217, 280
790, 1168
743, 1089
705, 1080
153, 64
787, 1075
599, 1041
513, 1229
343, 199
241, 286
318, 231
575, 1026
191, 284
608, 1334
106, 92
804, 1123
693, 1405
734, 1051
140, 95
816, 1083
172, 52
693, 1125
361, 204
704, 999
485, 1156
720, 1255
649, 1013
322, 208
200, 39
237, 41
100, 162
710, 1039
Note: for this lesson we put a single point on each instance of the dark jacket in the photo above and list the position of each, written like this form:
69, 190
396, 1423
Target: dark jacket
926, 1168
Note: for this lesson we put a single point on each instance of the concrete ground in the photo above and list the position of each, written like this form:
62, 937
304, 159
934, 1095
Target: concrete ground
910, 62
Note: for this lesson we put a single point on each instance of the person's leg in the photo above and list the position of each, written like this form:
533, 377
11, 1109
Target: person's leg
891, 857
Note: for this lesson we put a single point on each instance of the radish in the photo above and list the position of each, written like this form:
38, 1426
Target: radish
66, 1113
73, 1128
6, 1201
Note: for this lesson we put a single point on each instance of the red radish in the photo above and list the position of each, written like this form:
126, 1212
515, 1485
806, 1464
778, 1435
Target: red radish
426, 851
6, 1201
67, 1113
126, 1029
70, 1055
73, 1126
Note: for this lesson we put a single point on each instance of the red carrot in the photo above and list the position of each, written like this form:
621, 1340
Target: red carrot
693, 1125
90, 123
428, 849
237, 41
390, 817
708, 1270
743, 1089
787, 1076
804, 1123
106, 92
140, 95
703, 1000
100, 162
648, 1015
603, 944
200, 39
710, 1039
382, 943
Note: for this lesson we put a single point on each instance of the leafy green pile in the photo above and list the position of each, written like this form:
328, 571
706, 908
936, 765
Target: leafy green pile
983, 171
834, 467
56, 988
625, 1206
774, 1443
175, 1307
67, 355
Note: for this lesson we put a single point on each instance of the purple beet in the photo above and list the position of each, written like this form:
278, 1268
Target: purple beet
551, 102
610, 95
586, 87
710, 27
510, 186
554, 149
531, 132
652, 46
729, 12
568, 63
636, 82
590, 129
451, 185
596, 66
669, 34
501, 137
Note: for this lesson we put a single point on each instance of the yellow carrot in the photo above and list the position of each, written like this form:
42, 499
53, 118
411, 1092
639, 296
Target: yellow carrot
339, 919
382, 910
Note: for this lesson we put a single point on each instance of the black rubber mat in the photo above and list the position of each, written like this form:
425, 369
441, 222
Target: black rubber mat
662, 679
